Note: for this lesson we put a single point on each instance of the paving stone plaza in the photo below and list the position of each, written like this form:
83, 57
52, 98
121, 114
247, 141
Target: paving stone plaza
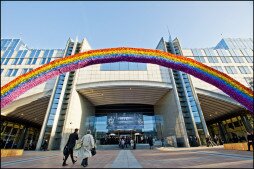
200, 157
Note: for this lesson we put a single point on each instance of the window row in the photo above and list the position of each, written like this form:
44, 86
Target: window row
233, 70
224, 59
31, 60
222, 52
13, 72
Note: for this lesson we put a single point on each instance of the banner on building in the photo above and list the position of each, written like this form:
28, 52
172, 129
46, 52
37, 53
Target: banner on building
125, 121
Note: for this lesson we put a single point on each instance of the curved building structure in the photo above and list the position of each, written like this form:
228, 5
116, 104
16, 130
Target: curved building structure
125, 99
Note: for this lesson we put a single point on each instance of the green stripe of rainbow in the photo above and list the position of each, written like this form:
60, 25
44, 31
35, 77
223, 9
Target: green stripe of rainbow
21, 84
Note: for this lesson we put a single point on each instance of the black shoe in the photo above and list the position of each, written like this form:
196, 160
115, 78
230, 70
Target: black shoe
74, 161
64, 164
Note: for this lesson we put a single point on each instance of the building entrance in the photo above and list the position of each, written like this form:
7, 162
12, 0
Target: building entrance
127, 122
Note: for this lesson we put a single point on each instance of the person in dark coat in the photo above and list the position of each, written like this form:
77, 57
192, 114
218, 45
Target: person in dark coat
250, 138
71, 144
45, 145
150, 141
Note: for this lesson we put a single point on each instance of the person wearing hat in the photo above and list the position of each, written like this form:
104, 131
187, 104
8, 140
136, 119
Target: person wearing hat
70, 145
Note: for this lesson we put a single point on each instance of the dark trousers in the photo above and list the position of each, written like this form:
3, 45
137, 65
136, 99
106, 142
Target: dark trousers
84, 162
70, 153
250, 143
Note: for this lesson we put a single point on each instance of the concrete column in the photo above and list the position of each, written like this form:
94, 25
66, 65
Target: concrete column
22, 138
246, 123
222, 131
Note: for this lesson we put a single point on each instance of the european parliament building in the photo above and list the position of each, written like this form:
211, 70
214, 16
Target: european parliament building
126, 99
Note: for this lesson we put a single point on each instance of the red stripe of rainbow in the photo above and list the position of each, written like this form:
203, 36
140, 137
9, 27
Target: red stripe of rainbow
21, 84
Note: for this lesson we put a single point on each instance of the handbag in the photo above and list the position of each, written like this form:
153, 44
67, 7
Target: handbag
78, 145
65, 151
93, 151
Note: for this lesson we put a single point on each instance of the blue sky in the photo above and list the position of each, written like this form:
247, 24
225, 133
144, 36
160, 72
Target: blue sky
131, 24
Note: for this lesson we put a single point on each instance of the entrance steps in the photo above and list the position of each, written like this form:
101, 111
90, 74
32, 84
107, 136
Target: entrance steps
116, 147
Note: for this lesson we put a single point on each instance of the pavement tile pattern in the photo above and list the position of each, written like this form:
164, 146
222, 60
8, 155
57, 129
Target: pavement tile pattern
200, 157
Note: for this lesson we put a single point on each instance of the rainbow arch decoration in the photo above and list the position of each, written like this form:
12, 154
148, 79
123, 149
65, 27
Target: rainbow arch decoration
25, 82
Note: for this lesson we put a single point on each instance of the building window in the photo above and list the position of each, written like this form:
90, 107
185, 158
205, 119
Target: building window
124, 66
249, 81
231, 69
6, 57
225, 59
36, 57
25, 70
249, 59
2, 71
5, 43
200, 59
219, 68
11, 72
244, 69
17, 57
47, 56
238, 59
212, 59
14, 44
33, 57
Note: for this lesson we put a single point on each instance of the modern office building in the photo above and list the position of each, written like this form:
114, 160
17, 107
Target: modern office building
126, 99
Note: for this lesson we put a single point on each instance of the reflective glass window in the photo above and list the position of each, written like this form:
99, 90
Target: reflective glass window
36, 57
24, 71
225, 59
219, 68
105, 66
29, 61
114, 66
22, 57
19, 54
133, 66
238, 59
231, 69
249, 59
244, 69
2, 71
8, 56
124, 66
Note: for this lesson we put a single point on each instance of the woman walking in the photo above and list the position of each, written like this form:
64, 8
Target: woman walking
85, 150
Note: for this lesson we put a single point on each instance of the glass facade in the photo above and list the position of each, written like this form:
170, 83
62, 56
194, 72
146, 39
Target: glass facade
244, 69
219, 68
231, 69
11, 72
233, 129
119, 124
47, 56
16, 135
198, 55
235, 43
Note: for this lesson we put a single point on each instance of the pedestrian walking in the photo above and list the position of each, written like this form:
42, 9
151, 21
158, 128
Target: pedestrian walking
250, 138
122, 143
132, 144
70, 145
87, 145
45, 145
150, 141
162, 142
